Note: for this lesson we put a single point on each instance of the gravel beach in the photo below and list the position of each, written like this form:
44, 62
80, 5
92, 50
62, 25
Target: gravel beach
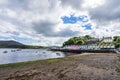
101, 66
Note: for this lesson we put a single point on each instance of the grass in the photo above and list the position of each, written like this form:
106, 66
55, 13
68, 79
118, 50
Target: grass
118, 65
118, 68
27, 63
14, 64
49, 61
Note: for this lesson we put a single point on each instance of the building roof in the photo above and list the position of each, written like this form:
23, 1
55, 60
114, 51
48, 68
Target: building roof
92, 41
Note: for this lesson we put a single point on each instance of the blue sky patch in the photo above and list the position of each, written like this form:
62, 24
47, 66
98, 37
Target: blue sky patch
74, 19
88, 26
22, 40
2, 37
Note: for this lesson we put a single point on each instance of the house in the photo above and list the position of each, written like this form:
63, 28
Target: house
107, 39
93, 44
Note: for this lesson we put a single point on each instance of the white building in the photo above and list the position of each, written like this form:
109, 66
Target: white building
107, 39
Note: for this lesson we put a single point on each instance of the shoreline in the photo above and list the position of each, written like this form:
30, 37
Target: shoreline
88, 51
84, 67
68, 55
45, 60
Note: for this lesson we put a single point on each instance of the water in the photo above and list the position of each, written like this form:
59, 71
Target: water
15, 55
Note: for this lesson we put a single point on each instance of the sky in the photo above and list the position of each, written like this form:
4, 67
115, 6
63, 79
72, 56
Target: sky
51, 22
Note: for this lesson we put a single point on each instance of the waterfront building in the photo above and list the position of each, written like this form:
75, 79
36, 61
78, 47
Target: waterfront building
92, 41
93, 44
107, 39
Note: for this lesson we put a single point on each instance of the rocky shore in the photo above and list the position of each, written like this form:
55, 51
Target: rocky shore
100, 66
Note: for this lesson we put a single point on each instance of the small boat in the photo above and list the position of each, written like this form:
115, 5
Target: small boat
12, 50
58, 54
43, 52
36, 51
5, 52
18, 49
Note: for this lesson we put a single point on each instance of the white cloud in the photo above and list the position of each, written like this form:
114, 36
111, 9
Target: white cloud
92, 3
3, 2
41, 19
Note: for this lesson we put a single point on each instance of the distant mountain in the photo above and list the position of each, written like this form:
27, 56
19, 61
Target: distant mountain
10, 44
15, 44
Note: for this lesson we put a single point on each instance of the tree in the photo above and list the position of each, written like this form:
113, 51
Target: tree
69, 42
77, 40
116, 40
87, 37
74, 41
80, 42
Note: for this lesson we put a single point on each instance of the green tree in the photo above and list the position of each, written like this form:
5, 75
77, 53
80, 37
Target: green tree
74, 41
80, 42
116, 40
87, 37
69, 42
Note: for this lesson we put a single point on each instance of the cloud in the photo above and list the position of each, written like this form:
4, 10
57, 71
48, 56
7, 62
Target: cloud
47, 20
67, 33
47, 28
109, 11
77, 4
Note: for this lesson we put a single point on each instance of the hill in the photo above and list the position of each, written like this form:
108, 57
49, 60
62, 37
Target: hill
15, 44
10, 44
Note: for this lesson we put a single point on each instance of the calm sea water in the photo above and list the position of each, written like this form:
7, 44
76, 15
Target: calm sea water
15, 55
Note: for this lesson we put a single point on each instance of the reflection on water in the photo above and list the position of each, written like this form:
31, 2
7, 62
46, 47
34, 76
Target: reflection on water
14, 55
